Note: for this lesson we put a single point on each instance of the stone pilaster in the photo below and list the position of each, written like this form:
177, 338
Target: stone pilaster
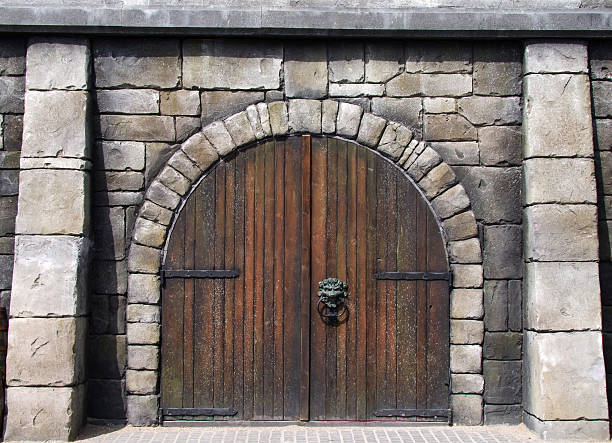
564, 393
47, 328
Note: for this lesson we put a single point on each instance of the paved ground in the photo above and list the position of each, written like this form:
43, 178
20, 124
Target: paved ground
310, 434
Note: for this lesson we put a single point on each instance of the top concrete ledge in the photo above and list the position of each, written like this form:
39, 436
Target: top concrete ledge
317, 22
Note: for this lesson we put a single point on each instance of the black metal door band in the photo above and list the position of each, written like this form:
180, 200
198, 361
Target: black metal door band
198, 273
194, 412
423, 413
413, 276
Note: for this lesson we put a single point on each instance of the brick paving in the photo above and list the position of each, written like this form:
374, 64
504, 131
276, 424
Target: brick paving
310, 434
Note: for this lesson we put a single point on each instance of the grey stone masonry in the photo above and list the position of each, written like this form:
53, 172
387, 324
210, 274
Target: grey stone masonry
564, 375
46, 394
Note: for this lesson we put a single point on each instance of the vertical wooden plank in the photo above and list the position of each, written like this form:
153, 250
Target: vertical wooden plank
360, 299
421, 366
219, 291
188, 370
319, 268
279, 268
305, 273
341, 273
391, 290
371, 289
229, 284
352, 279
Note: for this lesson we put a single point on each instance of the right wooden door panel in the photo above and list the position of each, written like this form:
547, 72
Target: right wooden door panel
392, 351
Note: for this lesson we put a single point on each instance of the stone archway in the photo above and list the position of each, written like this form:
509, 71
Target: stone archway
168, 192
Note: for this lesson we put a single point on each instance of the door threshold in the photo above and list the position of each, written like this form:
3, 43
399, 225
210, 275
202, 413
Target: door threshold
313, 424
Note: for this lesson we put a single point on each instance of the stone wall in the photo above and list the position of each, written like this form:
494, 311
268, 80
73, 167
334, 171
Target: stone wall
601, 90
12, 86
461, 97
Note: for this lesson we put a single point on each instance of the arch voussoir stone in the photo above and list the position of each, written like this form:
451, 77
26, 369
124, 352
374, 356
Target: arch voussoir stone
423, 165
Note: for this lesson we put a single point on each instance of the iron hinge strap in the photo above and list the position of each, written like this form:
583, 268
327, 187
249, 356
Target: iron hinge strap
424, 413
413, 276
198, 273
194, 412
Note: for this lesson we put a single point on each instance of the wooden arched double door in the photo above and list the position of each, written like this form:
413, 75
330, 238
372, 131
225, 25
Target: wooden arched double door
242, 337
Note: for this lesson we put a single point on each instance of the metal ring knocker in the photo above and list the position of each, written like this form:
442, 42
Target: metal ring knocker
331, 305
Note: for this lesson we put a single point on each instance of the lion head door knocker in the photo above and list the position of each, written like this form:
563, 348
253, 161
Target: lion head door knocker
331, 305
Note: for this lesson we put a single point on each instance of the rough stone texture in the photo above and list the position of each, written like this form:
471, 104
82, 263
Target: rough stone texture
55, 124
305, 70
497, 70
603, 130
466, 304
219, 63
107, 314
143, 357
12, 56
120, 155
328, 118
118, 181
140, 63
144, 288
438, 180
561, 430
394, 142
502, 414
53, 202
239, 128
466, 332
548, 57
11, 94
180, 103
561, 233
141, 382
424, 164
109, 232
383, 61
200, 151
143, 333
106, 356
50, 276
601, 98
279, 121
490, 110
439, 105
185, 166
557, 116
349, 117
305, 116
467, 276
356, 90
432, 85
503, 252
550, 180
458, 153
346, 62
451, 127
451, 202
59, 413
495, 192
142, 409
500, 145
406, 111
71, 73
503, 381
562, 296
186, 127
106, 399
218, 105
128, 101
599, 60
467, 409
149, 233
143, 313
370, 130
467, 383
12, 129
137, 127
46, 351
143, 259
565, 375
438, 56
502, 346
110, 277
496, 305
465, 251
219, 137
461, 226
466, 359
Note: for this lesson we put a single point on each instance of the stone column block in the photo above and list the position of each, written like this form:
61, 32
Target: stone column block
467, 409
46, 351
466, 359
553, 180
59, 413
72, 72
576, 429
467, 303
550, 57
142, 409
305, 70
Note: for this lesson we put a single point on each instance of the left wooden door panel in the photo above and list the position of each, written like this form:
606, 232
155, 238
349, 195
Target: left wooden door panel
236, 342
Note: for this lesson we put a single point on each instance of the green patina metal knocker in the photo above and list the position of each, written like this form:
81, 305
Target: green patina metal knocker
331, 305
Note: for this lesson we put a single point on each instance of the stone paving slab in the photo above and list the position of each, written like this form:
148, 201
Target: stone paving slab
310, 434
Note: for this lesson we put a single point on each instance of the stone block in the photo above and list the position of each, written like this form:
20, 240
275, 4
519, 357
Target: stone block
562, 296
370, 130
430, 85
465, 251
156, 213
219, 137
186, 166
603, 171
235, 64
106, 399
467, 409
466, 304
120, 155
503, 414
56, 124
578, 430
9, 183
11, 94
406, 111
356, 90
143, 259
467, 383
502, 346
7, 246
383, 61
561, 233
137, 128
503, 252
461, 226
107, 314
603, 134
12, 56
438, 56
142, 409
305, 70
451, 202
149, 233
503, 381
439, 105
186, 127
467, 276
144, 288
329, 114
564, 376
602, 103
174, 180
141, 382
12, 128
466, 359
6, 271
137, 62
46, 351
458, 153
394, 142
438, 180
466, 332
79, 164
500, 145
305, 116
264, 118
496, 305
495, 193
161, 195
53, 202
42, 413
491, 110
349, 117
451, 127
143, 333
118, 181
498, 68
143, 357
600, 57
515, 305
561, 180
217, 105
128, 101
180, 102
143, 313
424, 164
122, 198
106, 356
50, 277
557, 116
255, 121
109, 233
346, 62
279, 120
8, 211
57, 63
553, 57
